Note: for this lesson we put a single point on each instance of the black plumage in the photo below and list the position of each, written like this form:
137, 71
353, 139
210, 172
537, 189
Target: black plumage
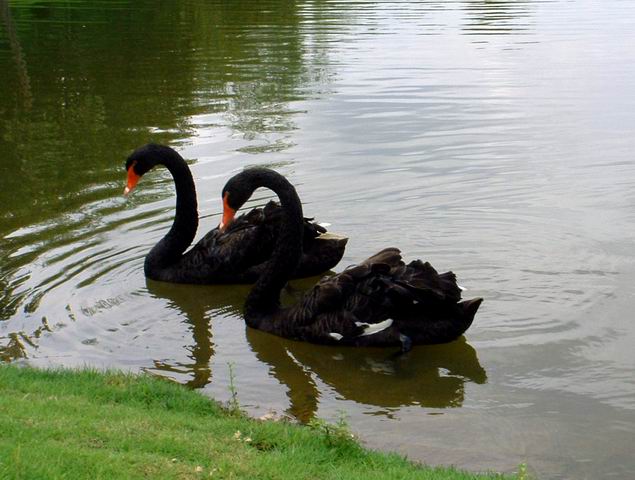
380, 302
240, 253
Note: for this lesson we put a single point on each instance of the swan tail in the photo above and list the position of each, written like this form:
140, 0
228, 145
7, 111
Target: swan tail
470, 307
446, 324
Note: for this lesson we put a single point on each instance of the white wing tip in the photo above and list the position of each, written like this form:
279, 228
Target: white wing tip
372, 328
461, 288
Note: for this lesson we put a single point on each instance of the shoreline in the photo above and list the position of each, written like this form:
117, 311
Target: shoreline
93, 424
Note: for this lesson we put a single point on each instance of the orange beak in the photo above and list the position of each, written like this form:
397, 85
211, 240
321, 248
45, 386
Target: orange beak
133, 178
228, 215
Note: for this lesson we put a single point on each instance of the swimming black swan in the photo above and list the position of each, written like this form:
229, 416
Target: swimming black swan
380, 302
237, 254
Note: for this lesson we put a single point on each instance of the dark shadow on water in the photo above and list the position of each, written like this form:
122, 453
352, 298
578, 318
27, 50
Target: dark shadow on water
428, 376
198, 304
24, 82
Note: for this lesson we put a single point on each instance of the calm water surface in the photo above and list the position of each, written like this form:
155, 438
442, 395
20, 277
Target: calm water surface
494, 138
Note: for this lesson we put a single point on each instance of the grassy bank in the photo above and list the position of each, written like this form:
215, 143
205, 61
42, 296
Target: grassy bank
85, 424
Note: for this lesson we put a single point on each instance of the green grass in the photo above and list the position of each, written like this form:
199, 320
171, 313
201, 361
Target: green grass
76, 424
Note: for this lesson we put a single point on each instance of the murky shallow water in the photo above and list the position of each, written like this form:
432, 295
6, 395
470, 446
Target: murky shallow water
491, 138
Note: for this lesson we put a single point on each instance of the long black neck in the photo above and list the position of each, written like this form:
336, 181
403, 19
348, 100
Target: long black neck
171, 247
264, 298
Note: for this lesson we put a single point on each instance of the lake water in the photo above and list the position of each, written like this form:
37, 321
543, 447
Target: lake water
493, 138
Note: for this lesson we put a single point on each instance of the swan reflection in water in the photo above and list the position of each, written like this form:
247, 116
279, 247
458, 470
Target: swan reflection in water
197, 304
432, 376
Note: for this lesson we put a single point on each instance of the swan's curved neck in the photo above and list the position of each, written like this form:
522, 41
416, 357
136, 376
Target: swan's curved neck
170, 248
264, 298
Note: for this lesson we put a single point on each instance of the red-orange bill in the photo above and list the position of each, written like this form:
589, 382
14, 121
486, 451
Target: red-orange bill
133, 178
228, 215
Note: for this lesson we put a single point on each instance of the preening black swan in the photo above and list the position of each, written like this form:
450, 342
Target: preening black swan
380, 302
237, 254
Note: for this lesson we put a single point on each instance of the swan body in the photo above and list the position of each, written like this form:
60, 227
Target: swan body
237, 254
380, 302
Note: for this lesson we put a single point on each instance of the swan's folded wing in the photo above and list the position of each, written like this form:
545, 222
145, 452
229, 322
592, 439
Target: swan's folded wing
225, 257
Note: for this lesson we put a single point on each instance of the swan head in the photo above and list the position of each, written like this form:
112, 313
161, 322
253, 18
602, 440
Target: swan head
235, 194
144, 159
240, 187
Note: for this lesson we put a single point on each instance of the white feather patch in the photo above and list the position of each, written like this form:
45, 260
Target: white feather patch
372, 328
336, 336
461, 288
324, 224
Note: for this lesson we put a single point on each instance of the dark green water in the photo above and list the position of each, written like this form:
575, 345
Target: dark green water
494, 138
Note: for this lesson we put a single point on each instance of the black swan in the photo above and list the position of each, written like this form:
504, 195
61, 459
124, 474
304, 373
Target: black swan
237, 254
380, 302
